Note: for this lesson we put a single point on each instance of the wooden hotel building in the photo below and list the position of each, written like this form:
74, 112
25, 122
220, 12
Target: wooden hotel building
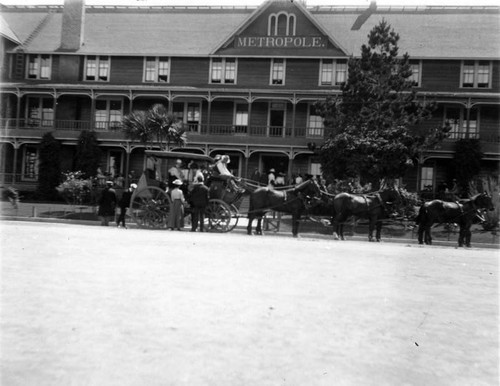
242, 79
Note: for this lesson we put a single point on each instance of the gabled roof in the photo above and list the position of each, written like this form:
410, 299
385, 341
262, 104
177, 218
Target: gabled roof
259, 13
426, 32
7, 32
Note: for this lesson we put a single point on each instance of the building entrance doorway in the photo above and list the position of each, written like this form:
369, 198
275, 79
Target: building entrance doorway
276, 119
277, 162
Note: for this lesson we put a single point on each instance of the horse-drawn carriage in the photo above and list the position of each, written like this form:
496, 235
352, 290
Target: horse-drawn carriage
151, 202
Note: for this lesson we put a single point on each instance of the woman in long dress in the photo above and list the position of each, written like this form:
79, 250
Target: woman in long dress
176, 217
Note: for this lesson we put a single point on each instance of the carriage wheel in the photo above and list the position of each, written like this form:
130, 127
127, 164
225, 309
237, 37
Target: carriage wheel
150, 208
221, 216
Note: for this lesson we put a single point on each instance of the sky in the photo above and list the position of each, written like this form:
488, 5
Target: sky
258, 2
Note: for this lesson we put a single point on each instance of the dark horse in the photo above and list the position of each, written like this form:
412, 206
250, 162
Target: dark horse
463, 213
293, 201
373, 206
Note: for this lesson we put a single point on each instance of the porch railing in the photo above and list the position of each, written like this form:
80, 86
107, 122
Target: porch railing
204, 129
193, 128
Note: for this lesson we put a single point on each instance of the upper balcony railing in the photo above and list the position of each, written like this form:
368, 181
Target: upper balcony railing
205, 129
192, 128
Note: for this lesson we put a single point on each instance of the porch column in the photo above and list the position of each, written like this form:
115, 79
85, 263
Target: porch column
290, 161
294, 107
14, 169
128, 150
18, 110
209, 116
92, 112
467, 119
249, 130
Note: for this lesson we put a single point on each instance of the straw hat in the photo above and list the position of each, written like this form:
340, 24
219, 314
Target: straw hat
177, 182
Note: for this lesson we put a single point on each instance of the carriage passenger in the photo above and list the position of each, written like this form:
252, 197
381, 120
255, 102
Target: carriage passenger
175, 172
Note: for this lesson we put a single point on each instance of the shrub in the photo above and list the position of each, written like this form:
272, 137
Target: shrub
74, 189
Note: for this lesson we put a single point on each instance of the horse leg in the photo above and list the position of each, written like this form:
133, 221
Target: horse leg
379, 230
371, 226
421, 230
338, 226
428, 237
249, 226
295, 225
258, 229
468, 236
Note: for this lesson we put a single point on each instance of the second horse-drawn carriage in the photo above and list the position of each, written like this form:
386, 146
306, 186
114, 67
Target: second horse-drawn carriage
151, 202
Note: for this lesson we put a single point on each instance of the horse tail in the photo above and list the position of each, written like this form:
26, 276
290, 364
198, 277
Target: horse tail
422, 212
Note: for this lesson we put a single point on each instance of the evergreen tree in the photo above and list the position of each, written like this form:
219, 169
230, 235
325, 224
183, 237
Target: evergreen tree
467, 162
88, 154
374, 121
49, 172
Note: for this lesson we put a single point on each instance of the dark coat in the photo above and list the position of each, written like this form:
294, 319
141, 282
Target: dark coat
107, 202
125, 200
199, 196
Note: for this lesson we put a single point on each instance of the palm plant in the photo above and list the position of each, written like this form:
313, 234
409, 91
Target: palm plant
154, 127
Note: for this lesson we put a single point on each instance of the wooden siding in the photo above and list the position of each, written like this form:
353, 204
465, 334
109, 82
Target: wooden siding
441, 75
189, 72
259, 114
126, 70
254, 73
302, 73
65, 68
222, 113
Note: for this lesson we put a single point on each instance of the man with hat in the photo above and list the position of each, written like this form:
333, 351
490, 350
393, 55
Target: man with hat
271, 179
199, 201
124, 204
107, 204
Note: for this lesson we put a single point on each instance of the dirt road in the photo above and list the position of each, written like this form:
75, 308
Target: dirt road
105, 306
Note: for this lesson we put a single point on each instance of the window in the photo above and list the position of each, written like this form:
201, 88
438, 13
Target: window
188, 113
455, 118
193, 116
40, 111
108, 114
97, 68
278, 71
476, 74
281, 24
315, 125
427, 178
223, 70
241, 118
39, 66
156, 69
333, 72
415, 78
315, 169
30, 163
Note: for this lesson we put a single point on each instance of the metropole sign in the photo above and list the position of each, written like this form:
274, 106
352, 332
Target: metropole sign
281, 42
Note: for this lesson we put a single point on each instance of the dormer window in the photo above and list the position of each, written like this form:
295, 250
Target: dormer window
281, 24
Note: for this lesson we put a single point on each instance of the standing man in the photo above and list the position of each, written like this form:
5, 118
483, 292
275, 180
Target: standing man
107, 204
271, 179
199, 202
124, 204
